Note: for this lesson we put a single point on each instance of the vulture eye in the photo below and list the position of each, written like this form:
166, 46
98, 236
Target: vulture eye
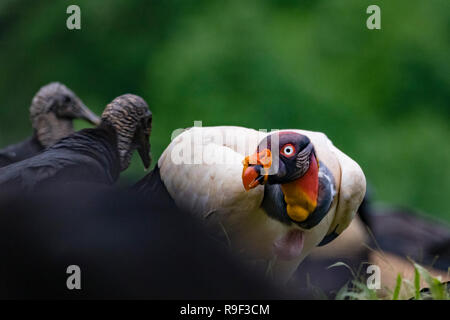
288, 150
67, 99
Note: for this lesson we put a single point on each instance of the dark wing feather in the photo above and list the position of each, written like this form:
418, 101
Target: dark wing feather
153, 186
87, 156
20, 151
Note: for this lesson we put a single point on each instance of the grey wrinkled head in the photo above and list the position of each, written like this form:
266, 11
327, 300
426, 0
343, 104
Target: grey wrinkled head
132, 120
52, 111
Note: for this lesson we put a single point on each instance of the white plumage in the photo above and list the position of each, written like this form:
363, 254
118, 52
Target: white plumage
208, 183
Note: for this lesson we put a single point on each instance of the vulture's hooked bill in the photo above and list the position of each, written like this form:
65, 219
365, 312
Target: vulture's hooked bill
95, 155
274, 219
52, 111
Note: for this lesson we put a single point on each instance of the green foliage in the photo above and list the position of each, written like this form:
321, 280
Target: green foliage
438, 291
381, 96
358, 290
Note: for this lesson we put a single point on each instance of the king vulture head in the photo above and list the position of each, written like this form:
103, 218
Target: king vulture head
299, 188
288, 159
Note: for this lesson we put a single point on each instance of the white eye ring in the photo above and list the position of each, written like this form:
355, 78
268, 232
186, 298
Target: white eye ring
288, 150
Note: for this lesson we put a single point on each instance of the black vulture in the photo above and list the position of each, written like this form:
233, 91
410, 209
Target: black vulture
52, 111
126, 246
407, 234
95, 155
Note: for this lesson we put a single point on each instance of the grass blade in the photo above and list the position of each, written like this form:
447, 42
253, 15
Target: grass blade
416, 283
342, 264
397, 287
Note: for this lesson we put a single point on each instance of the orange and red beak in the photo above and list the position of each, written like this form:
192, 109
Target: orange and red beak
256, 169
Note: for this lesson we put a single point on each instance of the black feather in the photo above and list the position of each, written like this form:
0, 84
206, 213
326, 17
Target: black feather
20, 151
128, 247
152, 185
87, 156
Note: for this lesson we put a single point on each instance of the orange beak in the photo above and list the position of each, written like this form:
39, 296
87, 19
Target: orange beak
253, 165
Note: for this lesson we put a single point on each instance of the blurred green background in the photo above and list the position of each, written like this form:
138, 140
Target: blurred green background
382, 96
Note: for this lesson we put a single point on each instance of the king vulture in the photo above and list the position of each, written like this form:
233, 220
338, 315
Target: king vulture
274, 195
52, 111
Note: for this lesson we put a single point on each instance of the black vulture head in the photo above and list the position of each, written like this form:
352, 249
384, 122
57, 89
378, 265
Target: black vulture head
131, 118
52, 111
